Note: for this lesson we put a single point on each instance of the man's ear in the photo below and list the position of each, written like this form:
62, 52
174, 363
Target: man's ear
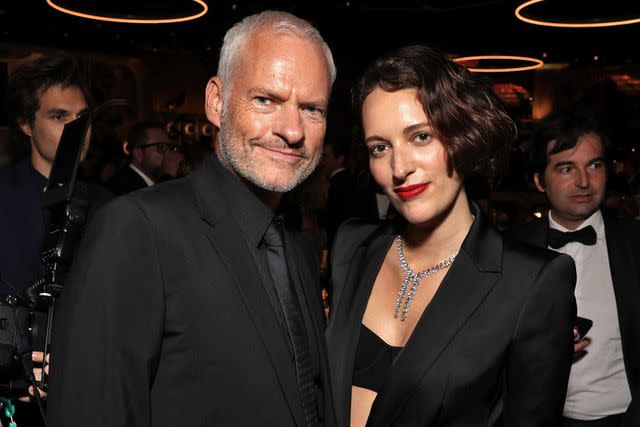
538, 182
26, 128
213, 101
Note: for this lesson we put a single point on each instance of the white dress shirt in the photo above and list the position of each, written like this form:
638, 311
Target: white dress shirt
148, 180
598, 384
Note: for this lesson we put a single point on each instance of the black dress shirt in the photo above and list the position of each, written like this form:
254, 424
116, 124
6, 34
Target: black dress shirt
253, 218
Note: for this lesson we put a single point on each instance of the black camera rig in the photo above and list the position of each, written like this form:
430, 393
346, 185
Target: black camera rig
27, 327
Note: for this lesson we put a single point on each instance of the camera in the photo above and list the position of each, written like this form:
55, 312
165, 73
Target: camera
25, 327
22, 330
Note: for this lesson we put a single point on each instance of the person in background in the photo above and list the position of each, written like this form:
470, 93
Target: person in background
153, 157
570, 168
43, 96
341, 201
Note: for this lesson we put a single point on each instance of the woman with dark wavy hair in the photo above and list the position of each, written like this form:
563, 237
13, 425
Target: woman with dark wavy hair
435, 319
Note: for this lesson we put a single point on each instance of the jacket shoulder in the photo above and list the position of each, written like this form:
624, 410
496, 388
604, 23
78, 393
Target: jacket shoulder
168, 193
169, 203
627, 224
533, 233
351, 234
528, 263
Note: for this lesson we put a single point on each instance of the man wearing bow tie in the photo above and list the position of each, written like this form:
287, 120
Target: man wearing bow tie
570, 168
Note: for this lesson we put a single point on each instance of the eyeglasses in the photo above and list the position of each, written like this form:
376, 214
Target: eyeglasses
162, 147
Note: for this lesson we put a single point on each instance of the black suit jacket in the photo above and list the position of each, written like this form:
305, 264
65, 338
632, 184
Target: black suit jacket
495, 340
623, 247
176, 327
126, 181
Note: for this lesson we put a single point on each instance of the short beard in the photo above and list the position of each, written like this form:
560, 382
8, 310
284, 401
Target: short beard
245, 167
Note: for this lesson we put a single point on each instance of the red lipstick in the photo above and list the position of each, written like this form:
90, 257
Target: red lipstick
410, 191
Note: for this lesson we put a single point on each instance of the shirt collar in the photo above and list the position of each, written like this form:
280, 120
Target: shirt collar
147, 180
29, 175
595, 220
251, 214
335, 172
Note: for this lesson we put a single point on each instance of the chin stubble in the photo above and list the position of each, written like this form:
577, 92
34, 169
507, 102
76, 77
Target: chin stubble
243, 164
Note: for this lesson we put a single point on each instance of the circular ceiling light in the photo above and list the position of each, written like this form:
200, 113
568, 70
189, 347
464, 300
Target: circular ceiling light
132, 20
592, 23
529, 63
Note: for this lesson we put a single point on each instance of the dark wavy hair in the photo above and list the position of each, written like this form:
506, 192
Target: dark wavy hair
138, 135
29, 82
563, 128
465, 114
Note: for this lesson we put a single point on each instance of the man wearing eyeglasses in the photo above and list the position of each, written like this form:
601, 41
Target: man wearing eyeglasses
153, 157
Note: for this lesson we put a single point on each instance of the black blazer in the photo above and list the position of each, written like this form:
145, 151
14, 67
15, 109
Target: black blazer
495, 340
176, 328
623, 247
125, 181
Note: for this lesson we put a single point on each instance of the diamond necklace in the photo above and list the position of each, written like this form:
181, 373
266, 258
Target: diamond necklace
414, 279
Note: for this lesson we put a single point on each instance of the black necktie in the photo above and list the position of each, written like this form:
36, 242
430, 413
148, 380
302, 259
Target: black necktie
274, 242
586, 236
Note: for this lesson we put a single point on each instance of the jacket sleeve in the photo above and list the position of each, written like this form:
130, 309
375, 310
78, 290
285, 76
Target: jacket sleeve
540, 356
108, 326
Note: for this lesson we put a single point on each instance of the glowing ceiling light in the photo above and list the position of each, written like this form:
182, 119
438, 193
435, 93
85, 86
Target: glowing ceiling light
533, 21
533, 63
169, 20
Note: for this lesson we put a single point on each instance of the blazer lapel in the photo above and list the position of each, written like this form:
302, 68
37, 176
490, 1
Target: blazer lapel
308, 287
224, 236
342, 343
465, 286
624, 275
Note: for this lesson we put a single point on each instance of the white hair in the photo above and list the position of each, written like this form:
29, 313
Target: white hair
279, 23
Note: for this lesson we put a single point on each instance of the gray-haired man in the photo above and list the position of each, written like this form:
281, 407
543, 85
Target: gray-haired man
189, 304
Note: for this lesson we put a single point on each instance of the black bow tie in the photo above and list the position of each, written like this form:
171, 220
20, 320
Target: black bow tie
586, 236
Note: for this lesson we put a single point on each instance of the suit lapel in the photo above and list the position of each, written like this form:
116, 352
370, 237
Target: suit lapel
135, 181
465, 286
308, 287
305, 283
342, 342
225, 238
624, 275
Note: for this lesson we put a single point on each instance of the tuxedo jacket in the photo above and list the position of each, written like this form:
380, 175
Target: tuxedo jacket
125, 181
623, 247
176, 328
495, 342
